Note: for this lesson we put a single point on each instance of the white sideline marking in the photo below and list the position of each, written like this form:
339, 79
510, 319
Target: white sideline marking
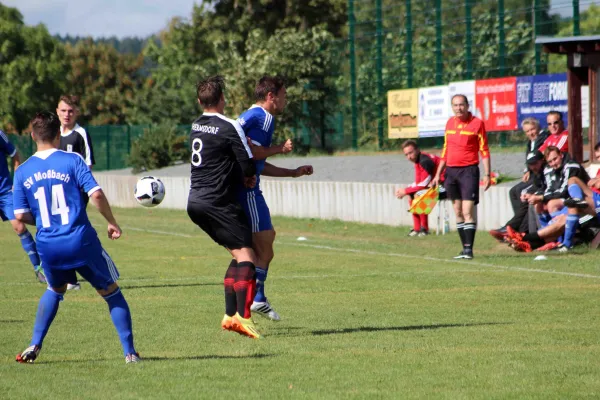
158, 232
470, 262
444, 260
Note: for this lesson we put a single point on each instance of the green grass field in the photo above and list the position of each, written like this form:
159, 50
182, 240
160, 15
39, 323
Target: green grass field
367, 313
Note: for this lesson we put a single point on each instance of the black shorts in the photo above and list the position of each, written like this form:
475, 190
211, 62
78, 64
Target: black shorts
227, 225
462, 183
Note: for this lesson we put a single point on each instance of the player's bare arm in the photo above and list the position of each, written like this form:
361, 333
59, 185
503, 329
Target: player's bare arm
26, 218
16, 161
101, 203
262, 153
278, 172
594, 183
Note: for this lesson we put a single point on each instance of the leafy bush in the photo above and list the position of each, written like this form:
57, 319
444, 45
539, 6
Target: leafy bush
159, 146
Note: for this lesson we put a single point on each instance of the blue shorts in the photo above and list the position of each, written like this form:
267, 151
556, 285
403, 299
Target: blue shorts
6, 206
596, 198
255, 207
100, 272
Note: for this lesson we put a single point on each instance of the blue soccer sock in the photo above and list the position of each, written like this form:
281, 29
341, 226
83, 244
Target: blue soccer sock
544, 219
570, 227
30, 248
47, 309
261, 277
575, 191
121, 317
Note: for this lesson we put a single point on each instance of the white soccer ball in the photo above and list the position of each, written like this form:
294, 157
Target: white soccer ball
149, 191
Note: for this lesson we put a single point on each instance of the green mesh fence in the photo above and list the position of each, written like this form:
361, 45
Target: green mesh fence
111, 143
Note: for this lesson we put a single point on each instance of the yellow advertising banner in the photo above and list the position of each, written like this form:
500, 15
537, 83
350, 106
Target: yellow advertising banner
403, 108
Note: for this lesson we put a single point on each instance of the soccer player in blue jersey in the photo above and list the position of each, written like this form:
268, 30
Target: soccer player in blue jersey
259, 124
6, 204
47, 193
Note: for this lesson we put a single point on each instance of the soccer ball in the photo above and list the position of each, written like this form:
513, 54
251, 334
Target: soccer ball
149, 191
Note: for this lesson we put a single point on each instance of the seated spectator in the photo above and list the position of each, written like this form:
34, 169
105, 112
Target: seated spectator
561, 231
425, 168
559, 136
520, 221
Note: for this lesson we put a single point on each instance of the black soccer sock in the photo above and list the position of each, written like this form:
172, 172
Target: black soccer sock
245, 287
469, 231
230, 299
460, 227
534, 240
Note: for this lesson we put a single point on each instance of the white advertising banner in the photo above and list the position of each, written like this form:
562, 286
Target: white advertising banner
433, 111
468, 89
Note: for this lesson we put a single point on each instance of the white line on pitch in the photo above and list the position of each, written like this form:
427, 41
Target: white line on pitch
575, 274
158, 232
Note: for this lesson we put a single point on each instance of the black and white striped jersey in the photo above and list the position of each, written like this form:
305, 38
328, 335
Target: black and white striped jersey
77, 141
220, 159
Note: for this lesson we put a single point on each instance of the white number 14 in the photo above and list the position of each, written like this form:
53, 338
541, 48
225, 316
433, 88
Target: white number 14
59, 205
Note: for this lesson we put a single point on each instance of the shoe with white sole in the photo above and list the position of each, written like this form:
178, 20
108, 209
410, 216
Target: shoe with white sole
264, 308
28, 355
74, 286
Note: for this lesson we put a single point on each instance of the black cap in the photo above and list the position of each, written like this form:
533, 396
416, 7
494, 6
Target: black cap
534, 156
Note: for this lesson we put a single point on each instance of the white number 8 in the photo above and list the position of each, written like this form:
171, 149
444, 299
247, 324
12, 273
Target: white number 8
196, 156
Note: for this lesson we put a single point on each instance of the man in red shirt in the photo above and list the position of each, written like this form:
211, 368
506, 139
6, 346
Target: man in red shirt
464, 138
559, 137
425, 168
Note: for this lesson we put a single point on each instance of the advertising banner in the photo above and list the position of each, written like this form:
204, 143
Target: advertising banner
468, 89
539, 94
402, 113
434, 105
496, 101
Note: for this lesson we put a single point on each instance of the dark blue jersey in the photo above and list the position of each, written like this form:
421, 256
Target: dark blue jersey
259, 125
6, 150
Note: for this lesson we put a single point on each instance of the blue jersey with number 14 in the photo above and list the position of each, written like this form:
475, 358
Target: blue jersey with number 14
48, 185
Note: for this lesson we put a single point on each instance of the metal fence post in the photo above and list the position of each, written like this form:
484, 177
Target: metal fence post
352, 56
468, 45
501, 39
536, 31
439, 63
408, 45
108, 147
576, 31
379, 67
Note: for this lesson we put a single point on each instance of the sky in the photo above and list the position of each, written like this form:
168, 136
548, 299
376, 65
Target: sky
121, 18
102, 18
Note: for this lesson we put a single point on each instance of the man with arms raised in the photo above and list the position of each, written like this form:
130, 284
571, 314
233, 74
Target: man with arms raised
47, 193
258, 124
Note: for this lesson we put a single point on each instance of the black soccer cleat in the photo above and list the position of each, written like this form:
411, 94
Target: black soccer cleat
576, 203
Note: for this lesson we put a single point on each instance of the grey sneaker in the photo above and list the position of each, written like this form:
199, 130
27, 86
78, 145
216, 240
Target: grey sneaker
412, 233
132, 358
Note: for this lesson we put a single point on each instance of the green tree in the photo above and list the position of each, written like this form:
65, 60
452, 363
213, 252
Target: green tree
105, 80
32, 70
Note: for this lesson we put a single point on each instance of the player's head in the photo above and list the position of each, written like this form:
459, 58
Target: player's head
553, 157
211, 93
597, 151
270, 92
531, 127
68, 110
460, 106
411, 150
555, 122
45, 128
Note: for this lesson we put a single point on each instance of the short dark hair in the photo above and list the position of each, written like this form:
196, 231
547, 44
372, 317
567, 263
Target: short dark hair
554, 112
551, 149
410, 142
597, 146
70, 99
45, 126
460, 95
210, 90
268, 84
